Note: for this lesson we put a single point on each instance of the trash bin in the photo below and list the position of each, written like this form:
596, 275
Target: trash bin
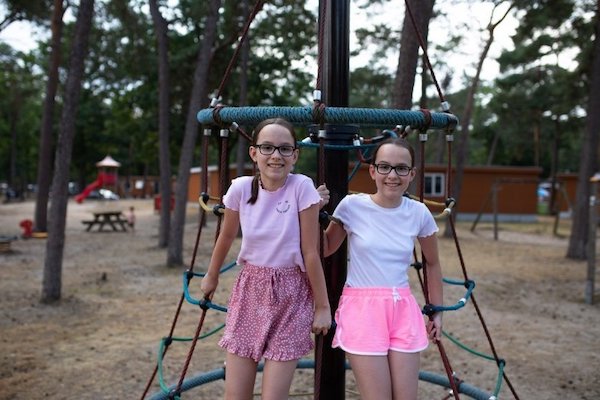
27, 226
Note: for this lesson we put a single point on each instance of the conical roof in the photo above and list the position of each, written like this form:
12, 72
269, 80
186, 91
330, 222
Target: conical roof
108, 161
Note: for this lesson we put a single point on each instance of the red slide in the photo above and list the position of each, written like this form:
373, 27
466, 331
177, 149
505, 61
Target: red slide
86, 192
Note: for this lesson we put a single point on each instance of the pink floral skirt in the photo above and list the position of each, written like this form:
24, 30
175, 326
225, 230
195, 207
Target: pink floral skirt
270, 314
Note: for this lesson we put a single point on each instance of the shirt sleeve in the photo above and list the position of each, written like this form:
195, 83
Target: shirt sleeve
307, 193
232, 198
341, 212
428, 224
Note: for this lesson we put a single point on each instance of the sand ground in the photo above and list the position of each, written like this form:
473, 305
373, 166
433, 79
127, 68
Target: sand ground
119, 300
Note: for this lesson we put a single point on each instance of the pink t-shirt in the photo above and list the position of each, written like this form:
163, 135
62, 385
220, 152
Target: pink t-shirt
271, 226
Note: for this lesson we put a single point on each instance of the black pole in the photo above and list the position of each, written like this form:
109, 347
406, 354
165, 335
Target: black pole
337, 53
332, 377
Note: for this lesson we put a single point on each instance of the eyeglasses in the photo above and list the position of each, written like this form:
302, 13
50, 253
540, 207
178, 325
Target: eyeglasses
268, 149
385, 169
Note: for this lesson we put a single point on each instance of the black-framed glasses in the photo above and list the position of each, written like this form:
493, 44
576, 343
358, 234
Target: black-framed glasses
385, 169
267, 149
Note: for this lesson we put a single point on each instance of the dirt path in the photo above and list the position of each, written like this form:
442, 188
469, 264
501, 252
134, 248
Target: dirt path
101, 341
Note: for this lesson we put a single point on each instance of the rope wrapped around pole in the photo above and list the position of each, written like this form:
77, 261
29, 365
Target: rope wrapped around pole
302, 116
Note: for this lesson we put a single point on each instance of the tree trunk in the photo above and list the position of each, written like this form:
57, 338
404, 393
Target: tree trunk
44, 170
197, 99
589, 157
242, 144
404, 81
52, 279
465, 120
492, 152
16, 106
161, 28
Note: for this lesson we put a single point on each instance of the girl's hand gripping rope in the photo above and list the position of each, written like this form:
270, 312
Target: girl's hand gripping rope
321, 321
324, 193
209, 285
434, 327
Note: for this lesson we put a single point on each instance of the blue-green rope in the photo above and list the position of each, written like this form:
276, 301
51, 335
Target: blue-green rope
337, 146
161, 351
187, 277
202, 303
501, 363
303, 116
219, 374
469, 284
354, 171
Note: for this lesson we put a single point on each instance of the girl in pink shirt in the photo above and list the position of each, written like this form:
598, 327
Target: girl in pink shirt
280, 295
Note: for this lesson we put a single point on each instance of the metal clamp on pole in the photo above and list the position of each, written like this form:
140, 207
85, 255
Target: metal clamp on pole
334, 133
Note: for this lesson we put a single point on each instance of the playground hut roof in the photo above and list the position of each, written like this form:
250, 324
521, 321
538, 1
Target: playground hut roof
108, 161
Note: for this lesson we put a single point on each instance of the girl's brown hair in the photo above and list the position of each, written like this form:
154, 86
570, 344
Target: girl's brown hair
270, 121
397, 142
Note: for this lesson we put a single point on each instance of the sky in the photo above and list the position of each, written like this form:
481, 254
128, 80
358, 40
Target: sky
461, 17
468, 18
19, 35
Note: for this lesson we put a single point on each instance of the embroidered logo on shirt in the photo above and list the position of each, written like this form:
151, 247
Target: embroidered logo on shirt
283, 207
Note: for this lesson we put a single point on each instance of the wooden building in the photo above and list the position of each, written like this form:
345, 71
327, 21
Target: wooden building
214, 187
514, 188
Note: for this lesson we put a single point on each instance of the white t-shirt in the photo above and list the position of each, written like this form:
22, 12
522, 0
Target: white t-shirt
271, 226
381, 240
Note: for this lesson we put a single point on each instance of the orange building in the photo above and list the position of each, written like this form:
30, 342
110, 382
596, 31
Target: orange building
214, 187
515, 188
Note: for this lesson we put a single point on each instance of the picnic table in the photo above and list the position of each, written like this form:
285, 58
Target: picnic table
114, 219
5, 243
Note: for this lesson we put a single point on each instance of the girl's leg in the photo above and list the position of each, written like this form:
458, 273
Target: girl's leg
240, 373
404, 370
277, 379
372, 375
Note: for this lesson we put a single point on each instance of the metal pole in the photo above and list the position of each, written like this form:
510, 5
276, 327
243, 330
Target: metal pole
335, 82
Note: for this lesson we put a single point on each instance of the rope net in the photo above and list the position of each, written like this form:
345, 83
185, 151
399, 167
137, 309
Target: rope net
220, 121
456, 385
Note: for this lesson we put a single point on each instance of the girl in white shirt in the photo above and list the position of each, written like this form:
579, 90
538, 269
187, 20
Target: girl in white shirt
379, 323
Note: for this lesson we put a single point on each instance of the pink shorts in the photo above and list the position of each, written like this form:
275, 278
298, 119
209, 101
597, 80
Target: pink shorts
372, 321
270, 314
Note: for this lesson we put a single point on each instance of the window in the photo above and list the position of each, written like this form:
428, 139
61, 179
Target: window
434, 184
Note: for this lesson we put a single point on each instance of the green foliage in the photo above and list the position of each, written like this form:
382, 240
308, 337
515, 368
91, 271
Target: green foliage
283, 33
378, 39
20, 110
26, 10
118, 111
370, 88
537, 93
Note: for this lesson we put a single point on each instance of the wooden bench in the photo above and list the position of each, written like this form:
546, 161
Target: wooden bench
5, 242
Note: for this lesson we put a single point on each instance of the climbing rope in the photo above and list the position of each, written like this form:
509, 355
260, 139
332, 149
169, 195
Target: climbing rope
227, 119
192, 263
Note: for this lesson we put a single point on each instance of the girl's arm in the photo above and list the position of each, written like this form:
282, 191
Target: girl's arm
429, 247
229, 230
309, 244
333, 238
